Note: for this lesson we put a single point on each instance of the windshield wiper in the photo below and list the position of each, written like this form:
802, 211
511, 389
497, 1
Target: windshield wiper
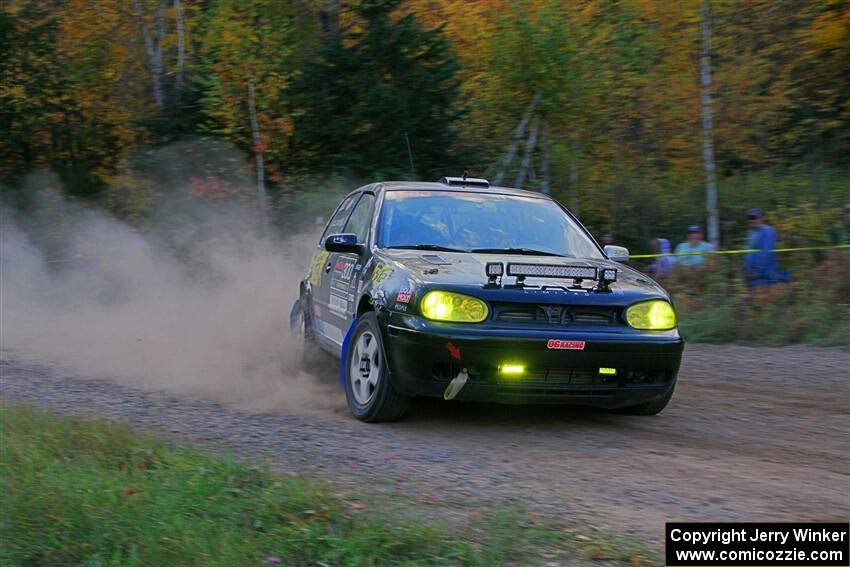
524, 251
435, 247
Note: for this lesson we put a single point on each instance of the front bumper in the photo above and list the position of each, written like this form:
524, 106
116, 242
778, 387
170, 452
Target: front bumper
423, 357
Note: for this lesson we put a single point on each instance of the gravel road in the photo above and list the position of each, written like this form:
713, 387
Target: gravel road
751, 434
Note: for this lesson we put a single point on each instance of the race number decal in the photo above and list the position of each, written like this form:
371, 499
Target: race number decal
341, 286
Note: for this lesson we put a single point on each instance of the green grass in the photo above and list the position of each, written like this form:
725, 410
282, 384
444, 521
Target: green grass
91, 492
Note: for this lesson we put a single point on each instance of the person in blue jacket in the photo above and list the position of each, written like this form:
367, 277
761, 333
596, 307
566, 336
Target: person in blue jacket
760, 267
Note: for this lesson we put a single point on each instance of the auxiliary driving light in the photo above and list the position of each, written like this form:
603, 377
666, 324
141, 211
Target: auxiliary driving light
512, 369
608, 371
609, 274
551, 271
495, 269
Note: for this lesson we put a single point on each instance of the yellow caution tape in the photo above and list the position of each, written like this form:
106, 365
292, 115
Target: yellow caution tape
746, 251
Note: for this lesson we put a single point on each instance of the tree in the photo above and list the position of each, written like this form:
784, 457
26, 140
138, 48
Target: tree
247, 51
383, 80
708, 127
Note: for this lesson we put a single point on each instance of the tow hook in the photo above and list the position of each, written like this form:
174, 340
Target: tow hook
455, 386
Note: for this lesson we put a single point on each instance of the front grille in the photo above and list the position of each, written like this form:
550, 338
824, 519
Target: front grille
563, 377
531, 376
562, 315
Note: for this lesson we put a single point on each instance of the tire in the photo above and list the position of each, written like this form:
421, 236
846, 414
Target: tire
370, 395
649, 408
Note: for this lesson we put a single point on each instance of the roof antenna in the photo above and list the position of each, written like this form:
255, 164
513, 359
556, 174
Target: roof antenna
465, 174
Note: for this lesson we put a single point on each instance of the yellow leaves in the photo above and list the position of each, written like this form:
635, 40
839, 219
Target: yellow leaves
831, 30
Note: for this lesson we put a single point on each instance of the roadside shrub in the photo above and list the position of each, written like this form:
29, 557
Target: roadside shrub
715, 305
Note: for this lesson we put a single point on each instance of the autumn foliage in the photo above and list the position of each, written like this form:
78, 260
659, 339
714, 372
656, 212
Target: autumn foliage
391, 88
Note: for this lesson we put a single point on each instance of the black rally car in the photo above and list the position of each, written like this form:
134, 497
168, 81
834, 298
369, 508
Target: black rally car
462, 290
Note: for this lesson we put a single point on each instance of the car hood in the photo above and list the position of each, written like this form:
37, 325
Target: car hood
452, 270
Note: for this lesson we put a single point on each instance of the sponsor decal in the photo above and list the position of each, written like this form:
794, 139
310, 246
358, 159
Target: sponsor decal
453, 350
381, 273
401, 307
404, 295
317, 267
338, 305
565, 345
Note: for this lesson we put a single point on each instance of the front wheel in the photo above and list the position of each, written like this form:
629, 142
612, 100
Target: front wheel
368, 391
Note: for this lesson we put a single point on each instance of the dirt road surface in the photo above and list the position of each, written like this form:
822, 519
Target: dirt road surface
751, 434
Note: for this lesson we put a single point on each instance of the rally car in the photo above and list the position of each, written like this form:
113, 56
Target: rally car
460, 290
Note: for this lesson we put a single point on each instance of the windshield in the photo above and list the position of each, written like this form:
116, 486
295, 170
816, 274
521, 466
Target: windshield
481, 222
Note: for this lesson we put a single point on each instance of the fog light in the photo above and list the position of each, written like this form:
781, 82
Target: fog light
608, 371
512, 369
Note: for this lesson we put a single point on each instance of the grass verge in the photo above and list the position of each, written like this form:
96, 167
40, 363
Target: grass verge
92, 492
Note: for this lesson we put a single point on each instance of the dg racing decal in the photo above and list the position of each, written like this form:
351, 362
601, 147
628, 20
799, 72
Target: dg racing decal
557, 344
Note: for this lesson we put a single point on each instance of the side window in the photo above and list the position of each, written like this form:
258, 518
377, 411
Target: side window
361, 217
338, 220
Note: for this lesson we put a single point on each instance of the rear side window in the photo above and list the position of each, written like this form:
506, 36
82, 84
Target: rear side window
361, 217
338, 220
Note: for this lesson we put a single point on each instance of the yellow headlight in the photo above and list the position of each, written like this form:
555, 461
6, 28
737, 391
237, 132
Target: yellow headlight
454, 307
655, 315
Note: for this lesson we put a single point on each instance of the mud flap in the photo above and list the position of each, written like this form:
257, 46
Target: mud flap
295, 315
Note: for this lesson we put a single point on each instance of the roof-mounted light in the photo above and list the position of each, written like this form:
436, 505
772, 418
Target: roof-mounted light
464, 182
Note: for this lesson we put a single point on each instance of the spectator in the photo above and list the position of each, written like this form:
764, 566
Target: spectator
840, 233
607, 238
662, 266
760, 267
694, 244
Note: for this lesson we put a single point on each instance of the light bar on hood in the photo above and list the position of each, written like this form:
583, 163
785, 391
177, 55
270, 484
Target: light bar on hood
551, 271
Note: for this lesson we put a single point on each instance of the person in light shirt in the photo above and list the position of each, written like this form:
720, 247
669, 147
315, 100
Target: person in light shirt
693, 244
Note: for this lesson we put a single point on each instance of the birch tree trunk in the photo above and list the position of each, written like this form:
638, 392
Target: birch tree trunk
181, 45
526, 158
574, 177
544, 159
258, 149
518, 134
708, 127
153, 47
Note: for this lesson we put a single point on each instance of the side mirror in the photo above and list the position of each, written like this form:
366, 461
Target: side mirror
346, 243
617, 253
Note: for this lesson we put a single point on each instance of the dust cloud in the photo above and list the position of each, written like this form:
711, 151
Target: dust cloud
198, 303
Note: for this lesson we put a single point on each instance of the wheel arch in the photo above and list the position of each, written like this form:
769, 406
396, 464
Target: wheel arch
364, 305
